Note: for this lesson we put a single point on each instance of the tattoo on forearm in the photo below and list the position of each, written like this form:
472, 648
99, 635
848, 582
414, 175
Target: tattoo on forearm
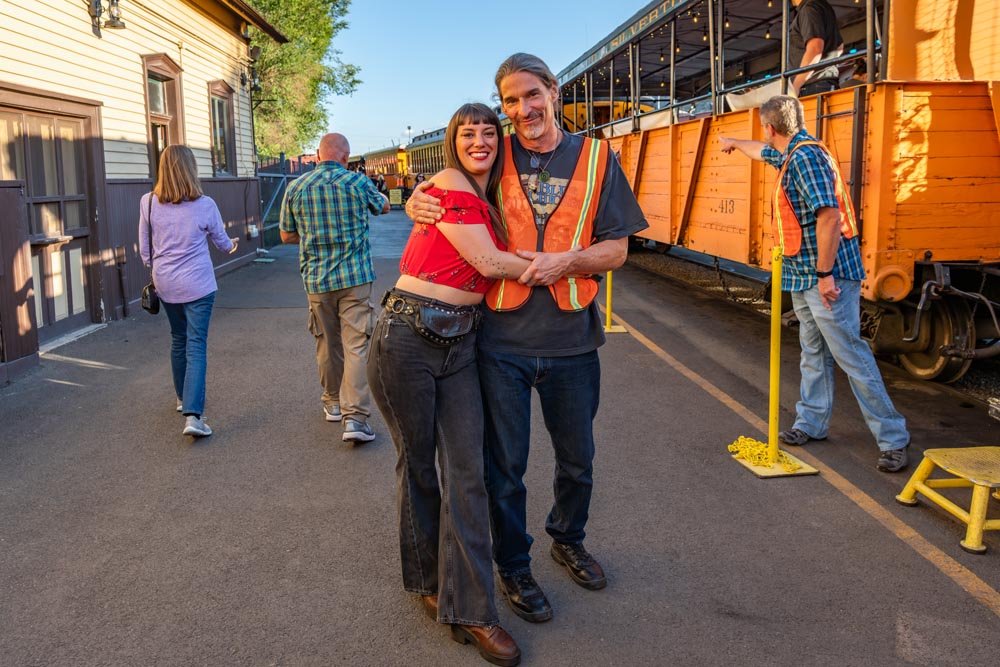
491, 262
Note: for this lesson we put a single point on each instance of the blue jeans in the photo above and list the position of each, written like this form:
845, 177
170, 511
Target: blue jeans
569, 390
189, 350
828, 336
429, 397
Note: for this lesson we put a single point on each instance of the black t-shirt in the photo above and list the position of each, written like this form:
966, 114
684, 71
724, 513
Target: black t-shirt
814, 18
539, 328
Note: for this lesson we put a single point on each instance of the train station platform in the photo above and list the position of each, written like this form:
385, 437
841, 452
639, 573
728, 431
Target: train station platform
274, 543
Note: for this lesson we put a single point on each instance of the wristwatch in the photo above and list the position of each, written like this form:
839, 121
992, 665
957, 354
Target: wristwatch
823, 274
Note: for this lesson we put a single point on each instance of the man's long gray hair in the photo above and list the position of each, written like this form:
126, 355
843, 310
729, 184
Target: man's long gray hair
525, 62
783, 113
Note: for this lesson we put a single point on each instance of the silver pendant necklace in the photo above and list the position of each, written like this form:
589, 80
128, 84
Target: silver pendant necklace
536, 161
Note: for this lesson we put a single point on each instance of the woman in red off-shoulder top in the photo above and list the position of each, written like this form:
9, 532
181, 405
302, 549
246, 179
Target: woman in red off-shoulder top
423, 375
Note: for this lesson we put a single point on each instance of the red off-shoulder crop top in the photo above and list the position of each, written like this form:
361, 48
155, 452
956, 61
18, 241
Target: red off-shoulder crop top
430, 256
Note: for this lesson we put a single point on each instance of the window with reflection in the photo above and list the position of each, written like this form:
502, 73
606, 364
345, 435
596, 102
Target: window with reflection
220, 95
163, 106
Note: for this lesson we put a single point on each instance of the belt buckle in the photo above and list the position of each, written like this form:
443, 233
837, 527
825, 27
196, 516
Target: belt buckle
396, 305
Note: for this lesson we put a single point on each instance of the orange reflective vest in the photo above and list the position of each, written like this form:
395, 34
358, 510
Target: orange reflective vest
785, 225
570, 224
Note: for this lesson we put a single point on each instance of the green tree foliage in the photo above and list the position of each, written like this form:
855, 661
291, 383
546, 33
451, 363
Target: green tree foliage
297, 76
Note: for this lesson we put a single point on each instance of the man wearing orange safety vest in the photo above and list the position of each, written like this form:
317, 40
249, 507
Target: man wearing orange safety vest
815, 226
567, 207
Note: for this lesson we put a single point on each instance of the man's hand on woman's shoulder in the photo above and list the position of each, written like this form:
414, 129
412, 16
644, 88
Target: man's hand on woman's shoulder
421, 207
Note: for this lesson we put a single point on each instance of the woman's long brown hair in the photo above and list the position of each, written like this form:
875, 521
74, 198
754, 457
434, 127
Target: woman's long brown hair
475, 114
177, 178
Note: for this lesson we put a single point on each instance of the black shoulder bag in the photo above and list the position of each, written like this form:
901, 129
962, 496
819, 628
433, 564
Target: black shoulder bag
150, 299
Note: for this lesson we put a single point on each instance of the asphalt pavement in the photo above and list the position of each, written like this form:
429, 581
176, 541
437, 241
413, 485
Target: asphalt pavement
273, 542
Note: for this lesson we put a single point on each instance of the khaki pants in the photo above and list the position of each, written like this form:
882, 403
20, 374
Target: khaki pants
341, 321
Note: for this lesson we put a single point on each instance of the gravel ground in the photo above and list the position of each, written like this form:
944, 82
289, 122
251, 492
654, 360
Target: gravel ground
981, 382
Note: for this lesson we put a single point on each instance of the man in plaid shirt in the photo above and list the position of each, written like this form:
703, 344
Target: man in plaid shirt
824, 278
326, 212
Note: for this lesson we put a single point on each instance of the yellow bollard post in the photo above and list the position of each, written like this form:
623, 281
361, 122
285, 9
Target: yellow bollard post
774, 385
766, 460
608, 326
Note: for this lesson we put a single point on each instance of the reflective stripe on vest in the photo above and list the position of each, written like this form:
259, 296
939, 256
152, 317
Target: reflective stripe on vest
570, 224
785, 225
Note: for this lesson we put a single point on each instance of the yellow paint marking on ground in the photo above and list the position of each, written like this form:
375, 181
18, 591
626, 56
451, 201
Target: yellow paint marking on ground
950, 567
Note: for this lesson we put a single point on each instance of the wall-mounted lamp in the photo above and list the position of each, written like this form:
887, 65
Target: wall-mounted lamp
114, 14
249, 78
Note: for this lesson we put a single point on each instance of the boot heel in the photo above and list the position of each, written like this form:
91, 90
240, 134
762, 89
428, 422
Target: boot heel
460, 635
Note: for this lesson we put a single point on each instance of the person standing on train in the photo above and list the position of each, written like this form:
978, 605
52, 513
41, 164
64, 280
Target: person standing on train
813, 37
814, 222
326, 213
569, 209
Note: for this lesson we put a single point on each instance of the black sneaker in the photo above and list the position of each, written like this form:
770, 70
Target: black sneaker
582, 567
525, 597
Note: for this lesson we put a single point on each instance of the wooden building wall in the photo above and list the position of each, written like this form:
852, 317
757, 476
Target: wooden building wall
238, 201
49, 45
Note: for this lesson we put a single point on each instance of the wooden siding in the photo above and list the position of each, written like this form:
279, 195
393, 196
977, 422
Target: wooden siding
944, 40
238, 202
48, 44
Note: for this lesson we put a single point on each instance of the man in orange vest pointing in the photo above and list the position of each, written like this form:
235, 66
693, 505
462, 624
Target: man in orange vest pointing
567, 207
815, 226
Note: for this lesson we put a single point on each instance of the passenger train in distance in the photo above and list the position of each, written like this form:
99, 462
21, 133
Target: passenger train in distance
400, 165
914, 127
390, 162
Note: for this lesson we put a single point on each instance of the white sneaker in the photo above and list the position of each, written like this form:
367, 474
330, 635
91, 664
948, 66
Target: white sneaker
196, 426
332, 412
180, 405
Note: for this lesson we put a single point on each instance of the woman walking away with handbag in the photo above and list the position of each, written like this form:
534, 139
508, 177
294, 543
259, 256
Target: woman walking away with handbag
423, 375
176, 220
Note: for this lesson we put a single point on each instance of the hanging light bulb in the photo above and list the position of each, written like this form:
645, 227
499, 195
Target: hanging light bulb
770, 4
727, 19
704, 35
767, 35
661, 55
695, 17
678, 49
663, 84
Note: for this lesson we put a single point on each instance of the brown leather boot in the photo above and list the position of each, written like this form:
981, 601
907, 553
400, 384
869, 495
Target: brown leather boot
430, 603
493, 643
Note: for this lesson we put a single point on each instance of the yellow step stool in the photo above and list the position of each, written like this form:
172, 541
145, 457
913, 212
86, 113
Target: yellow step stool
978, 467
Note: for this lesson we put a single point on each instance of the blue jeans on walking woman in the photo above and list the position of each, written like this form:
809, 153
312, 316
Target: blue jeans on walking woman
189, 350
834, 336
429, 397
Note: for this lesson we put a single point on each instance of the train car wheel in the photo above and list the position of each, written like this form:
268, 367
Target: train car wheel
951, 323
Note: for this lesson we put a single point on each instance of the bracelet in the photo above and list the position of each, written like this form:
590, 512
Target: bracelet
823, 274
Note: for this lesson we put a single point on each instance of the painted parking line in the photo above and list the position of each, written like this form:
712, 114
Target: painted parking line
947, 565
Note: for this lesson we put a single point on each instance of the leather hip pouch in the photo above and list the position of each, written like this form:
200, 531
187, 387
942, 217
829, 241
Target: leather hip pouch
438, 323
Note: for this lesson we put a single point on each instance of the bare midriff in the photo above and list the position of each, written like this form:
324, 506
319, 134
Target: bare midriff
444, 293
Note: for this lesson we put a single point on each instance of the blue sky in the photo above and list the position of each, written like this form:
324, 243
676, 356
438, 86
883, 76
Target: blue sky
421, 59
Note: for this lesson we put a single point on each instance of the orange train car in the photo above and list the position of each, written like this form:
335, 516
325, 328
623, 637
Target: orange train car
915, 127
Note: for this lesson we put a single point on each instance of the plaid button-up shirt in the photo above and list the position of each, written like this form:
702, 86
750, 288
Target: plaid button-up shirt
328, 208
810, 185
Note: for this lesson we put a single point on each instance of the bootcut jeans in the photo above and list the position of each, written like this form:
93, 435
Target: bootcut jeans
429, 397
569, 389
189, 350
834, 336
